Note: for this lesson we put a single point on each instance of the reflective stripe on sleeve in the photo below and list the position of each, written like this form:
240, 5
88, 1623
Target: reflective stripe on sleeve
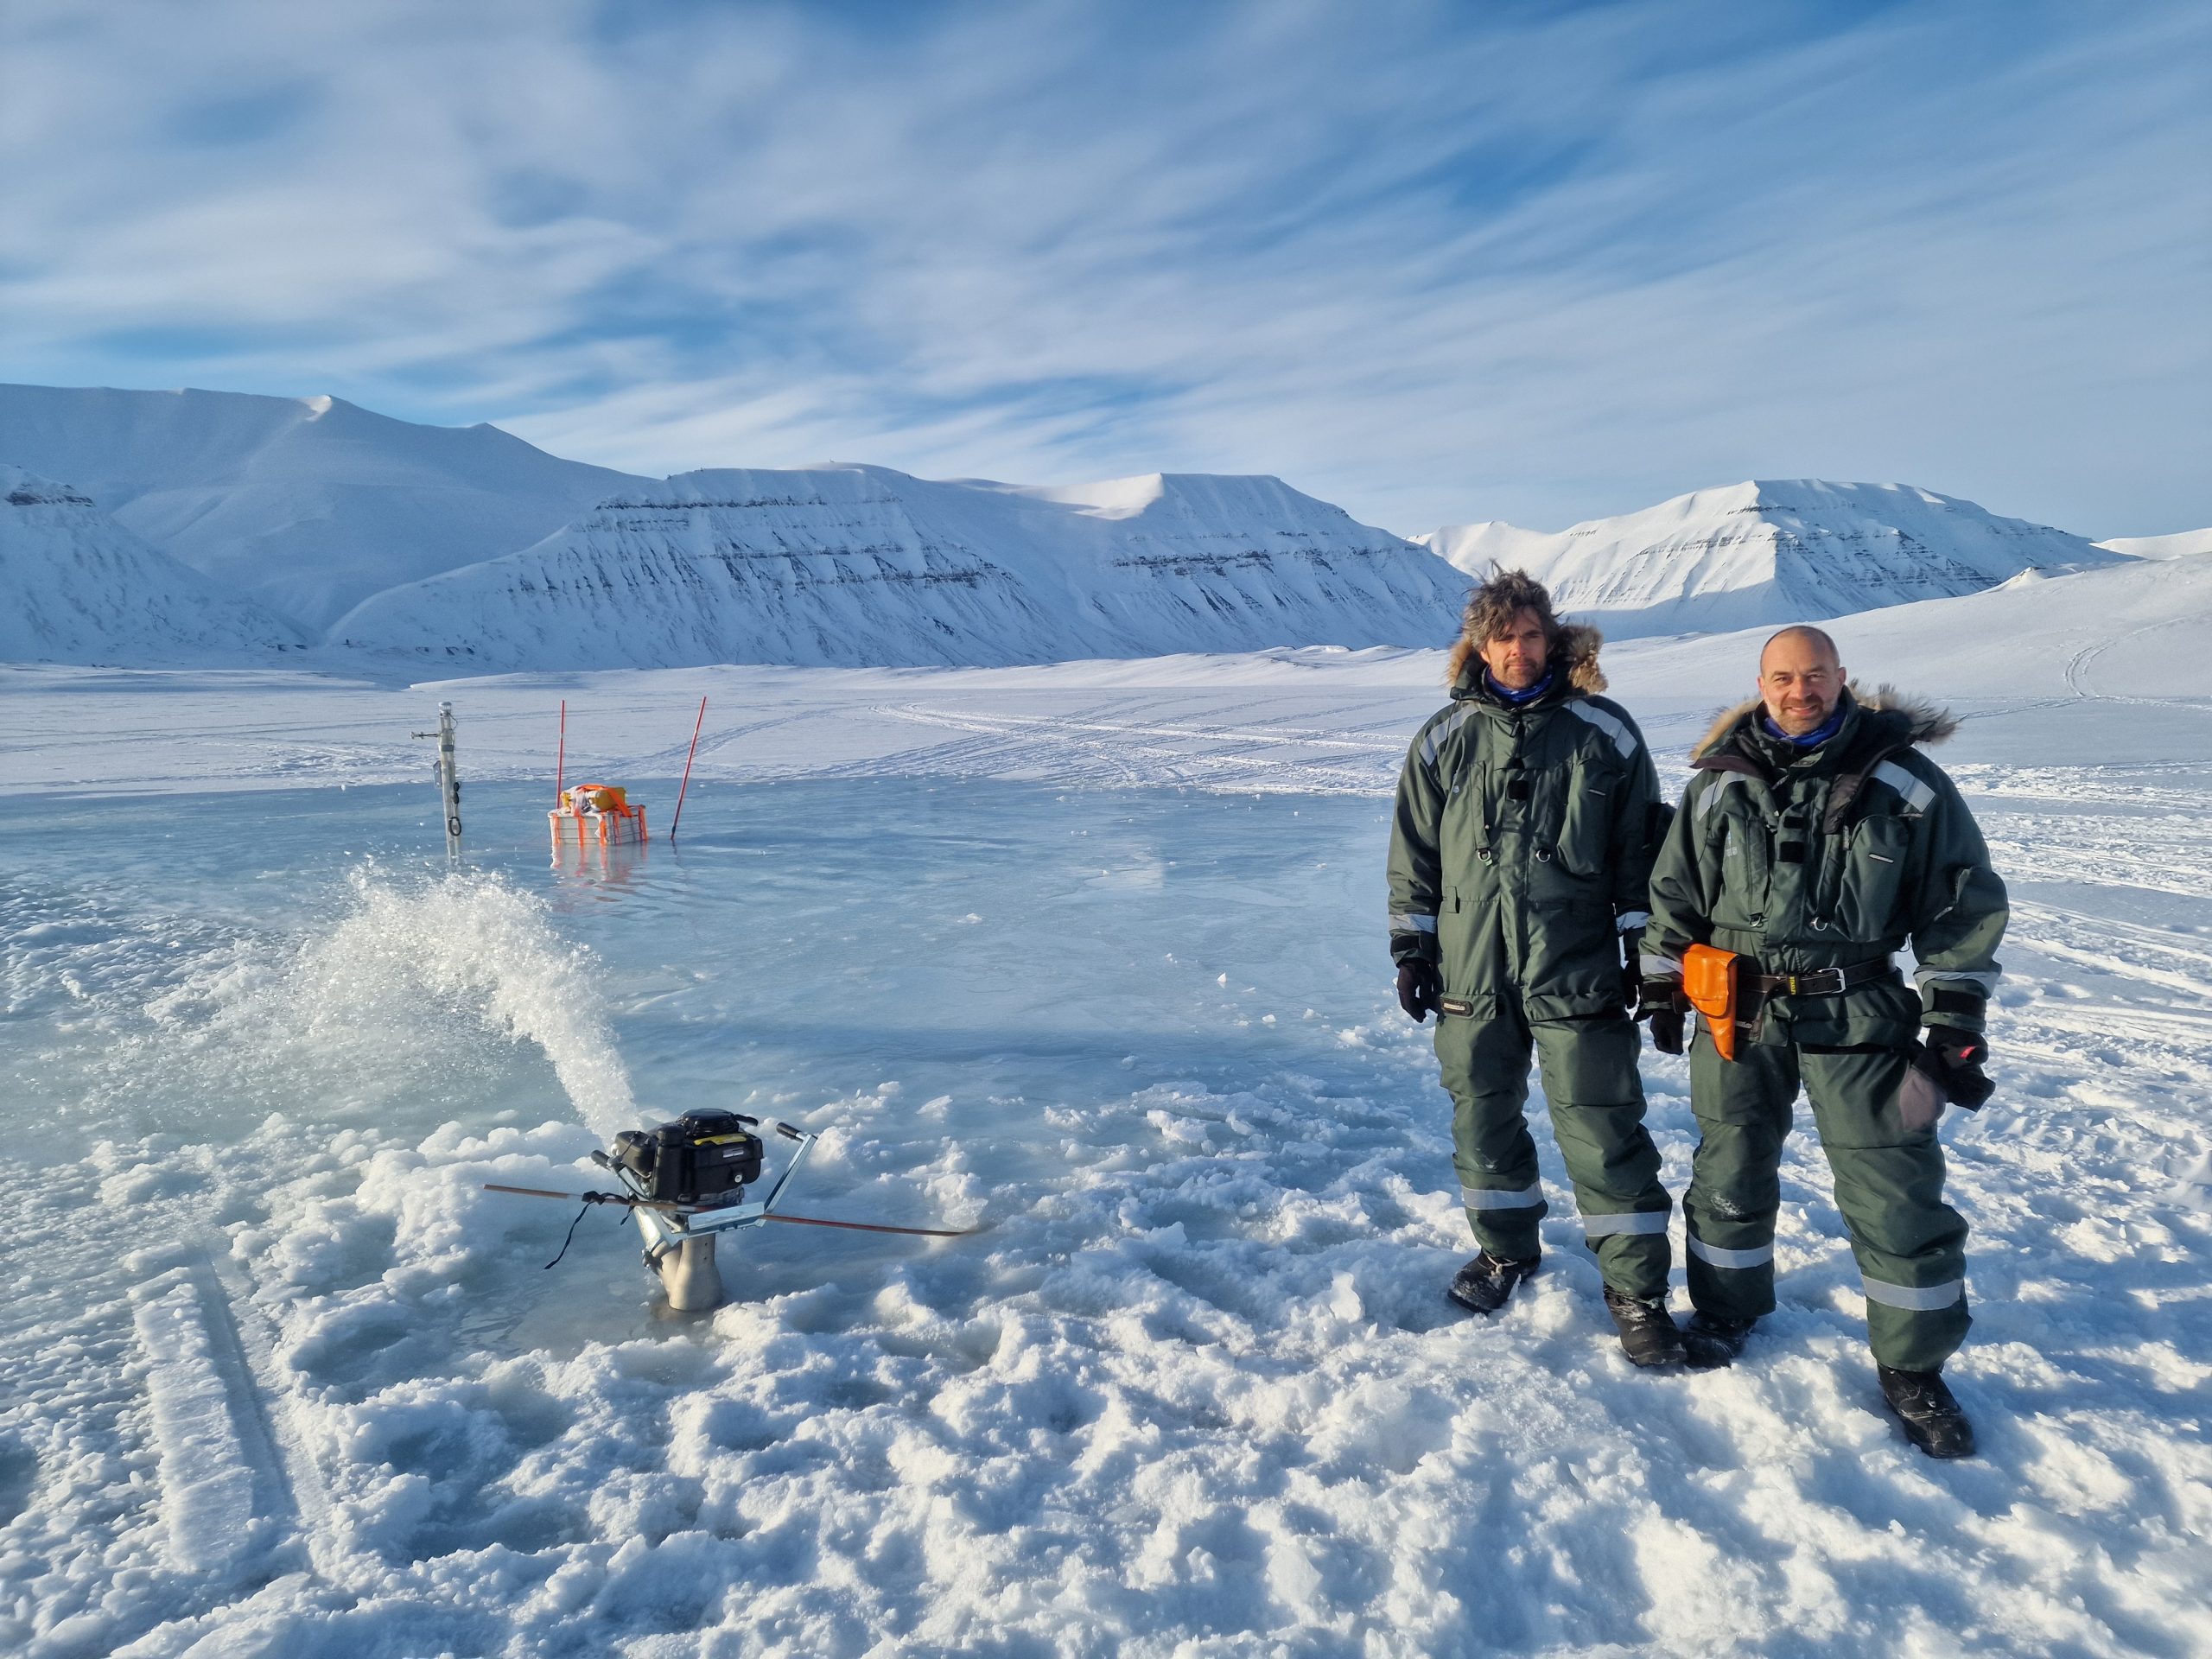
1716, 1256
1917, 1298
1916, 794
1407, 921
1632, 918
1655, 966
1440, 734
1631, 1221
1517, 1198
1624, 739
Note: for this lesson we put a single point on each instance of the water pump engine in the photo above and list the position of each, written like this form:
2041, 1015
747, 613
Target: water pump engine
683, 1184
703, 1158
687, 1182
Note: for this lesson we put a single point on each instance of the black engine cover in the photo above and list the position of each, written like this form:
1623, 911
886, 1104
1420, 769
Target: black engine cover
705, 1157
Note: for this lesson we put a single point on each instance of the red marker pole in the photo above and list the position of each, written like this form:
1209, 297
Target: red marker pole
695, 725
561, 754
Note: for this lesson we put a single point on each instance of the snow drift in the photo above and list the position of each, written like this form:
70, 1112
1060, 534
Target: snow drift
1757, 553
308, 504
75, 587
859, 565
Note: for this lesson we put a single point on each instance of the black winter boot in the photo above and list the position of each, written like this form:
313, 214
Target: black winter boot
1931, 1417
1485, 1283
1712, 1342
1648, 1333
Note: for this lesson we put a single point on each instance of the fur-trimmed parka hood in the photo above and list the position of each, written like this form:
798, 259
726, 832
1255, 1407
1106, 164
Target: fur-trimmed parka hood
1913, 720
1573, 659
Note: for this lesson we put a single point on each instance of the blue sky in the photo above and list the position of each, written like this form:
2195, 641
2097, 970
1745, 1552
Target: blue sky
1434, 261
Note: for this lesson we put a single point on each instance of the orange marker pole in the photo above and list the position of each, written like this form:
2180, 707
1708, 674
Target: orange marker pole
695, 725
561, 754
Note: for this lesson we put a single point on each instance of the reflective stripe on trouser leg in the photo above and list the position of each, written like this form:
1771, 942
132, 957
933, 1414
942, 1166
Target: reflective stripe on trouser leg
1486, 1067
1596, 1095
1743, 1109
1521, 1198
1914, 1298
1910, 1245
1631, 1221
1734, 1261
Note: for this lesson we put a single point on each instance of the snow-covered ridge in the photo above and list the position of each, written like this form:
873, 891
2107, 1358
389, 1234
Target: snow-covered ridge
306, 504
2181, 544
75, 587
856, 565
26, 491
1764, 552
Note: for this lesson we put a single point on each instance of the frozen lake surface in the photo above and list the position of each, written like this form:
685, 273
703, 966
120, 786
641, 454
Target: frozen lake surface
281, 1380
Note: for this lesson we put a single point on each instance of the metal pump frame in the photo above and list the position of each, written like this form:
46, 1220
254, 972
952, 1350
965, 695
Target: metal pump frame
669, 1226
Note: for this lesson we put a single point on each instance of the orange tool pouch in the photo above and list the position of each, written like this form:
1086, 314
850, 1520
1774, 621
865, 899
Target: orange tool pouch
1709, 982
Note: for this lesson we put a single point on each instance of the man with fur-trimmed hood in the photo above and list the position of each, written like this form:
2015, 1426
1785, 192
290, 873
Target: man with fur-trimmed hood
1815, 841
1528, 815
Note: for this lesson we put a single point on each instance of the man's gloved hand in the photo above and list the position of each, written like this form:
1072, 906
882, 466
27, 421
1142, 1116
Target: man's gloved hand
1631, 973
1418, 986
1954, 1059
1661, 1003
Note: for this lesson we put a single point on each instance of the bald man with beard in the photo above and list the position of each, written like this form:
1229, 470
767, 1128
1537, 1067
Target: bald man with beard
1815, 840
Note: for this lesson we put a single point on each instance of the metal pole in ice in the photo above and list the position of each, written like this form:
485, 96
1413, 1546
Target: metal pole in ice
695, 725
560, 754
448, 780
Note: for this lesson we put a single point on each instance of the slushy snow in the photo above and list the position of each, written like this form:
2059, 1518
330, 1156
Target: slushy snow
1091, 955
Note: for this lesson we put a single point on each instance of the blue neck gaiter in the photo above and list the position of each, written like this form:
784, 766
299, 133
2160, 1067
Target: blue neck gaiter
1812, 739
1517, 698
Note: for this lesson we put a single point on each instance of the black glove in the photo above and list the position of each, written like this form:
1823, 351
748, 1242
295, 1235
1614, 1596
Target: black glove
1632, 971
1953, 1057
1418, 986
1660, 1001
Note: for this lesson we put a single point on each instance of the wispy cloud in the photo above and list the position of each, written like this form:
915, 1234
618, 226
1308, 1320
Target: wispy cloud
1434, 262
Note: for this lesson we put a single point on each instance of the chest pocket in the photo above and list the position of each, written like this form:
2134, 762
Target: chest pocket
1743, 852
1874, 852
1585, 832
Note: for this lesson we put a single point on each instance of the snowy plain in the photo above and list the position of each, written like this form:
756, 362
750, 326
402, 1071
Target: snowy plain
1090, 956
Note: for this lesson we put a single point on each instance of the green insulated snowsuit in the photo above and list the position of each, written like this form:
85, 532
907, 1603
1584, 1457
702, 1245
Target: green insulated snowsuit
1831, 859
1520, 851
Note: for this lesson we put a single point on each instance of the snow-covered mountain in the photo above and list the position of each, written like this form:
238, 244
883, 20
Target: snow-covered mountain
2182, 545
854, 564
308, 504
1763, 553
75, 587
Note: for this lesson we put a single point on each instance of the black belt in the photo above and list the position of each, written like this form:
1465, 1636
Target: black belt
1821, 981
